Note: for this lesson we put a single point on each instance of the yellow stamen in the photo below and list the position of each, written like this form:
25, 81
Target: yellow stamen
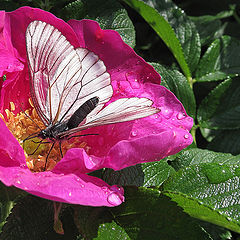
22, 125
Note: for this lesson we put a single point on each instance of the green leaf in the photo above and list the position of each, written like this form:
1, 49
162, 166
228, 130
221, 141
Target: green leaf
146, 174
7, 197
5, 208
184, 29
163, 29
196, 156
210, 27
88, 219
177, 83
227, 141
147, 214
31, 218
220, 61
208, 191
111, 231
109, 14
220, 109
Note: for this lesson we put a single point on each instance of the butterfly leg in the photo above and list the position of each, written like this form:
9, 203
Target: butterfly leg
39, 143
48, 155
60, 148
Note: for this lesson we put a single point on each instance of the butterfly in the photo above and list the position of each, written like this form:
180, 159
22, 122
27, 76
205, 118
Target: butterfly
70, 86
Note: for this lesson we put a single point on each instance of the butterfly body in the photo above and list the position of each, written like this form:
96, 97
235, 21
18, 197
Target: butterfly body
53, 131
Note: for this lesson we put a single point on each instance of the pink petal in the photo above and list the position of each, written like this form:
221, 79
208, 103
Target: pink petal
11, 152
75, 189
20, 19
119, 58
70, 187
125, 144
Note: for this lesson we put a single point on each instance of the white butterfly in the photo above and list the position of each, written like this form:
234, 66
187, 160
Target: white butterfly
69, 87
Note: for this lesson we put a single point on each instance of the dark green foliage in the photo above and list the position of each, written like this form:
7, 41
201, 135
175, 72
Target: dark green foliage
195, 194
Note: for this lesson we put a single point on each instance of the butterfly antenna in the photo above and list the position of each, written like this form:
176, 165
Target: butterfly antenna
30, 118
83, 135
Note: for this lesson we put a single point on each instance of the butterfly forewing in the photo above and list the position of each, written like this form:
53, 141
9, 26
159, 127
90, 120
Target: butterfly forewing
63, 78
95, 81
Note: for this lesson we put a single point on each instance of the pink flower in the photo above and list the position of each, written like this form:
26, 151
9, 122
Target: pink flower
117, 146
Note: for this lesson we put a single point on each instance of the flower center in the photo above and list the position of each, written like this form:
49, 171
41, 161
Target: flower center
25, 124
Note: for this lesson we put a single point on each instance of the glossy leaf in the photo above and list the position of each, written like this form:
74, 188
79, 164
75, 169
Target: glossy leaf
227, 141
209, 192
210, 27
109, 14
163, 29
220, 109
177, 83
147, 174
111, 231
149, 215
196, 156
220, 61
184, 29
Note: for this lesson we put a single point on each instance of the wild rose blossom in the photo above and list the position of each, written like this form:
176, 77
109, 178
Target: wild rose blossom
116, 146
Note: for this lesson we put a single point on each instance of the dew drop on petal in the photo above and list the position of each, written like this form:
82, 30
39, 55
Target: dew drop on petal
181, 115
133, 80
104, 188
18, 182
134, 133
186, 136
117, 189
23, 165
167, 113
70, 194
114, 199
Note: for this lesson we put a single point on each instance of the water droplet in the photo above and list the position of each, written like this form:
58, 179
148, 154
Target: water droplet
167, 113
186, 136
134, 133
69, 194
105, 189
117, 189
23, 165
114, 199
216, 173
18, 182
237, 171
181, 115
133, 80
